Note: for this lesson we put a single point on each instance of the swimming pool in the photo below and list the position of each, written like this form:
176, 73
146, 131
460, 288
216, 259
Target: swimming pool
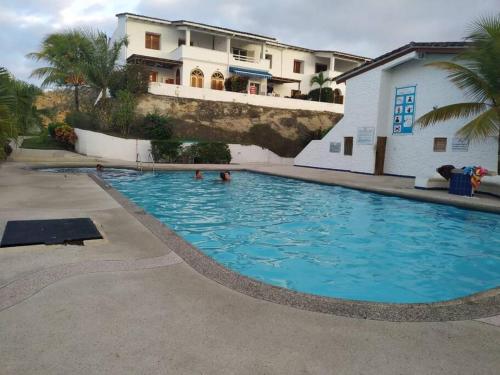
325, 240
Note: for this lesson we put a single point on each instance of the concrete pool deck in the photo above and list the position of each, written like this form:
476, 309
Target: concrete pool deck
127, 304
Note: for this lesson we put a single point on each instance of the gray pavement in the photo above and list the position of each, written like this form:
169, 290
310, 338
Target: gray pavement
124, 305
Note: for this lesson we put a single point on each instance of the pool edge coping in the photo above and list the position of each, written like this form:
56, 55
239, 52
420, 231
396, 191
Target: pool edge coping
476, 306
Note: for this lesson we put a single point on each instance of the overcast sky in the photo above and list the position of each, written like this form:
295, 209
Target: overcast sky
364, 27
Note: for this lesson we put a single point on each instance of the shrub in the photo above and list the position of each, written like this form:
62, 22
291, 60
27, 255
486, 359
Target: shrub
153, 126
131, 77
326, 94
51, 128
83, 120
163, 150
210, 153
66, 135
236, 84
7, 149
124, 113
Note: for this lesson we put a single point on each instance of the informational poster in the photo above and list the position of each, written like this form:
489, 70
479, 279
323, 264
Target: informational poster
335, 147
459, 144
404, 110
365, 135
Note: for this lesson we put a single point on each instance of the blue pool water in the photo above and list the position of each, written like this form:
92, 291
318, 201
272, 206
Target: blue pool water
325, 240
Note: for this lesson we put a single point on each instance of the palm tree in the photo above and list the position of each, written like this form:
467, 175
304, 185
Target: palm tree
477, 72
100, 61
320, 80
7, 105
64, 53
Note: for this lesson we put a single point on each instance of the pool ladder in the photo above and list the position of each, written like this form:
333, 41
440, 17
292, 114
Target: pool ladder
140, 165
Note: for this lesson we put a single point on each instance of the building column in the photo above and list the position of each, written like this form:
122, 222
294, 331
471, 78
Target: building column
228, 49
188, 37
332, 63
262, 51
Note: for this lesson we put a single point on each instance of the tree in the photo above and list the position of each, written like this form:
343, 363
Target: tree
124, 113
477, 72
7, 105
64, 53
100, 61
26, 114
320, 80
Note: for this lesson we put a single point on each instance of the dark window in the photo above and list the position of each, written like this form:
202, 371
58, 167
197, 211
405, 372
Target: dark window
338, 98
440, 144
182, 42
348, 145
153, 76
270, 58
152, 41
297, 66
321, 68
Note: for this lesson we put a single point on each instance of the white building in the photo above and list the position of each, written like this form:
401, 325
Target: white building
183, 55
378, 134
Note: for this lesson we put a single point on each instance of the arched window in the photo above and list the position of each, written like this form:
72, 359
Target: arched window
338, 97
217, 81
197, 78
178, 77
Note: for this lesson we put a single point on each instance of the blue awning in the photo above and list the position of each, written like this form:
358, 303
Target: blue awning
249, 72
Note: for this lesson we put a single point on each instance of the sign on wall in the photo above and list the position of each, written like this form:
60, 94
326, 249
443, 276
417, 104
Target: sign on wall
404, 110
365, 135
335, 147
459, 144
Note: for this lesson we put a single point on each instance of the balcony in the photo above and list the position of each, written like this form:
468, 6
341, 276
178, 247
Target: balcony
249, 62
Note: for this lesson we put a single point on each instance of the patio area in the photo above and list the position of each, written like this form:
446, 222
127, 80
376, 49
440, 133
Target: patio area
128, 304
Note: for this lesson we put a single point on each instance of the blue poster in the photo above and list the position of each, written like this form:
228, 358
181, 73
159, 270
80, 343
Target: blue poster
404, 110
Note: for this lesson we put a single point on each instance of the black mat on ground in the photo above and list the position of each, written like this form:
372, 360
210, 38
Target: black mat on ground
49, 232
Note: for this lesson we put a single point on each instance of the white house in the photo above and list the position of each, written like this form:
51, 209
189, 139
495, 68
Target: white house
378, 133
185, 55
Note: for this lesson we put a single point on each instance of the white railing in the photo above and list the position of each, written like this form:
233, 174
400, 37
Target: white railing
250, 59
158, 88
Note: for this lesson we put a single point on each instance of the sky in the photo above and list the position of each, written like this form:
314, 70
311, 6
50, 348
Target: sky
363, 27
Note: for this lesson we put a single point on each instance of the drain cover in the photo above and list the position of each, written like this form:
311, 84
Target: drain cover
48, 232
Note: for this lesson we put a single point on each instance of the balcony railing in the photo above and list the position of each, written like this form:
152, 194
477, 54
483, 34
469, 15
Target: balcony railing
250, 59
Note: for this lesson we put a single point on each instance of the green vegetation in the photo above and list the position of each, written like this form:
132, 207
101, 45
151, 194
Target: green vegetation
477, 72
326, 95
43, 141
124, 111
320, 80
209, 153
167, 151
236, 84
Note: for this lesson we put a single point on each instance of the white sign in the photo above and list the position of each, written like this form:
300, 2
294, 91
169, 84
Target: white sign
365, 136
459, 145
335, 147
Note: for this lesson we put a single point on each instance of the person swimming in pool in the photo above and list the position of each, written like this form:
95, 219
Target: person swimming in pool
99, 168
198, 175
225, 176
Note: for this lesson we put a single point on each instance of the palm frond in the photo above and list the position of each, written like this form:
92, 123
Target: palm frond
452, 111
466, 79
485, 125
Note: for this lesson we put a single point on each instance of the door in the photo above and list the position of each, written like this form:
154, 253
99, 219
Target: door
380, 155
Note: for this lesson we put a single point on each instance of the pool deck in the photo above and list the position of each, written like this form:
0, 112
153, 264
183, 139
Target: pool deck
128, 304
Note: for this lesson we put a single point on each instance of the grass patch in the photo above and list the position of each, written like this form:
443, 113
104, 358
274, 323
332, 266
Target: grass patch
42, 142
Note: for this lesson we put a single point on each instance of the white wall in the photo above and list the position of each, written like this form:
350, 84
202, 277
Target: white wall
228, 96
369, 103
105, 146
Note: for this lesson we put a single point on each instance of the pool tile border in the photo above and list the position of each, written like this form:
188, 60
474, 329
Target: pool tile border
479, 305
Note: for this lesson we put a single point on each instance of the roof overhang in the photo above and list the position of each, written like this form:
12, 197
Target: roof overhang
434, 48
249, 72
154, 62
275, 79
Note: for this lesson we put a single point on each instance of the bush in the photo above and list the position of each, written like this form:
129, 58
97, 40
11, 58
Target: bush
124, 112
153, 126
66, 135
163, 150
131, 77
236, 84
209, 153
51, 128
83, 120
326, 94
7, 149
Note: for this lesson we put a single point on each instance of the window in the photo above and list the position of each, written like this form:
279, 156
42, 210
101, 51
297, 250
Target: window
169, 80
295, 93
440, 144
197, 78
152, 41
240, 54
182, 42
338, 98
321, 68
270, 58
153, 76
348, 145
217, 81
297, 66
